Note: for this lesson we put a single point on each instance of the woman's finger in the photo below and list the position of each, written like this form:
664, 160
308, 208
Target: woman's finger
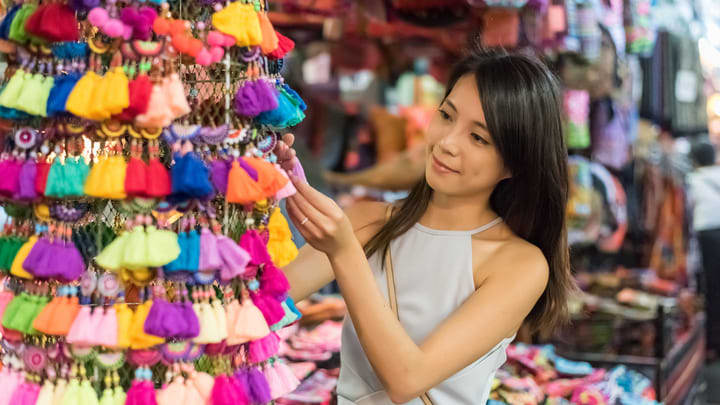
289, 139
322, 221
302, 221
320, 201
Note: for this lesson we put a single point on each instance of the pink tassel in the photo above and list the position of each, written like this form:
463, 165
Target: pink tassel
254, 244
298, 171
277, 389
10, 381
289, 189
271, 309
25, 394
273, 281
141, 393
290, 381
224, 392
262, 349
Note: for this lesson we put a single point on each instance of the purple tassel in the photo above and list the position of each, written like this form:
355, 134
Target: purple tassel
266, 95
248, 169
246, 101
259, 388
210, 259
75, 266
28, 172
219, 171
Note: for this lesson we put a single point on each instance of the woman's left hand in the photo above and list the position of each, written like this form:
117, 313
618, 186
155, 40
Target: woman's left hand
320, 220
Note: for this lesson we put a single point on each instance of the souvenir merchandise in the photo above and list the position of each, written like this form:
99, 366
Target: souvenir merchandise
141, 256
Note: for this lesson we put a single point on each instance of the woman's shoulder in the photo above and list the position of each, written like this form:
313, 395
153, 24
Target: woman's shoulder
508, 257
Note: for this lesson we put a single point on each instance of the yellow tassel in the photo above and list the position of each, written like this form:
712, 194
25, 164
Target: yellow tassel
280, 245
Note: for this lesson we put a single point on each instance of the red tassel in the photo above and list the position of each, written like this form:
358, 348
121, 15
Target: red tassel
33, 24
43, 168
58, 23
158, 179
285, 45
136, 177
139, 94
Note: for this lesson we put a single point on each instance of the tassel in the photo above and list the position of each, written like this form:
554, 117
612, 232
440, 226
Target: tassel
163, 246
269, 306
176, 96
5, 298
158, 179
13, 88
141, 392
220, 319
210, 259
259, 389
136, 177
107, 397
270, 40
72, 393
158, 112
43, 322
10, 177
28, 172
179, 263
241, 22
25, 394
255, 246
203, 383
18, 266
173, 393
45, 395
10, 381
241, 189
289, 189
138, 338
107, 330
290, 381
59, 392
280, 246
247, 324
285, 45
273, 281
135, 254
269, 179
224, 392
234, 258
262, 349
192, 260
74, 266
119, 396
219, 172
111, 258
288, 319
139, 90
87, 394
43, 169
190, 177
60, 92
80, 330
59, 24
124, 316
277, 389
64, 316
267, 96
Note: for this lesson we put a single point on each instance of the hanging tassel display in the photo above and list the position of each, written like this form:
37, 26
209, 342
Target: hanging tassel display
280, 246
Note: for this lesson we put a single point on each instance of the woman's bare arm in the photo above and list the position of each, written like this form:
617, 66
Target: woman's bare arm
311, 270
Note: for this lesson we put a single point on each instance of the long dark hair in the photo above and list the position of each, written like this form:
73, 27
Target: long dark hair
521, 101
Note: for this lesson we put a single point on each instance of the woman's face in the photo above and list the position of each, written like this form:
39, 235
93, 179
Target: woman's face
461, 157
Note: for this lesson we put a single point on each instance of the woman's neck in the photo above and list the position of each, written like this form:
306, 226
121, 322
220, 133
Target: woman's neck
457, 213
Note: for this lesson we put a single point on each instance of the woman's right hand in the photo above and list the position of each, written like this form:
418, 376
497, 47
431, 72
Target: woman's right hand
285, 153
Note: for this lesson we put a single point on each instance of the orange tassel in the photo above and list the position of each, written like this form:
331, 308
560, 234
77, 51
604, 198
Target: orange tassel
271, 181
241, 188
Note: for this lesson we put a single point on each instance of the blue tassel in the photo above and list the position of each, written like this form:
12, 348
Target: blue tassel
179, 263
278, 117
7, 21
13, 114
296, 97
192, 258
64, 84
190, 178
291, 304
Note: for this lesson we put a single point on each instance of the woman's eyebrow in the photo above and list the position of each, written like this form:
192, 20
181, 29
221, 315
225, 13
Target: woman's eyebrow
478, 123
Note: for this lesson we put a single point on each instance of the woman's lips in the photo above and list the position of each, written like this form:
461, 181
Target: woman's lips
442, 168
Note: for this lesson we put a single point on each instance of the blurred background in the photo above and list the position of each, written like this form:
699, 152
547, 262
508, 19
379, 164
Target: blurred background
642, 123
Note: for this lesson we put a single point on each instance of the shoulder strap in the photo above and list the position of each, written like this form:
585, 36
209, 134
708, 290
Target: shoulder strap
390, 276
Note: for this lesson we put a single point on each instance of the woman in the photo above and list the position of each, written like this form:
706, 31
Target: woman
478, 246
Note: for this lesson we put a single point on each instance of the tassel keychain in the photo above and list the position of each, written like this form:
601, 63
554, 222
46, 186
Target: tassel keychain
234, 258
135, 255
269, 306
26, 180
42, 171
139, 90
285, 45
158, 178
219, 172
138, 338
273, 281
224, 392
26, 394
289, 190
270, 40
210, 259
262, 349
163, 246
142, 391
190, 176
255, 246
59, 391
10, 177
18, 267
269, 179
136, 176
247, 322
289, 318
280, 246
107, 330
241, 188
10, 381
259, 391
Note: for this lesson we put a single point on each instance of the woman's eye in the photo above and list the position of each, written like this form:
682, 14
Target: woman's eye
445, 116
479, 139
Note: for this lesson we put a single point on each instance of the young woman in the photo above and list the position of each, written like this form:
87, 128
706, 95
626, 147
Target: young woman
478, 246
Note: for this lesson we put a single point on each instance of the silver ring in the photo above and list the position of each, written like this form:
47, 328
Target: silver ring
304, 220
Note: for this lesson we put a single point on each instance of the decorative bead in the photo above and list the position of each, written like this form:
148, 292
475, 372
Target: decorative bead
253, 285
